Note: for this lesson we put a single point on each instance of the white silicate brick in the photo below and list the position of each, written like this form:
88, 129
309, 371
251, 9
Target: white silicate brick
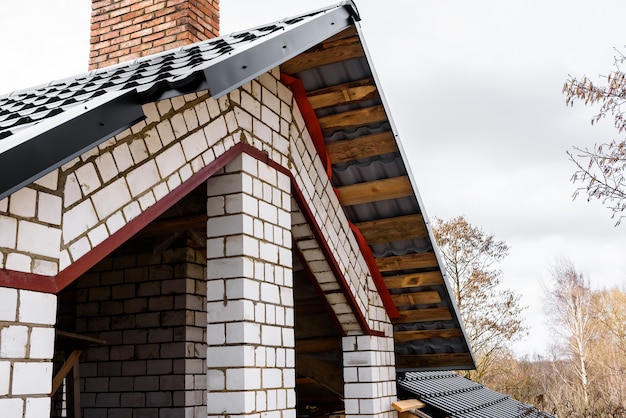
37, 307
71, 192
111, 198
8, 307
12, 407
23, 202
50, 181
38, 239
37, 407
243, 379
5, 377
123, 157
143, 177
170, 160
32, 378
8, 232
88, 178
42, 343
13, 341
18, 262
49, 209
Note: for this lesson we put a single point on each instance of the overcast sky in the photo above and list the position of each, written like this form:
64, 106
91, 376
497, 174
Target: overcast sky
474, 88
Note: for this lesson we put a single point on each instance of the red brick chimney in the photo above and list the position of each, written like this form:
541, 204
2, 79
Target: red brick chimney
122, 30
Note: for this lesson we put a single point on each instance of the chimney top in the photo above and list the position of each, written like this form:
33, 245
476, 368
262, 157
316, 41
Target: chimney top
128, 29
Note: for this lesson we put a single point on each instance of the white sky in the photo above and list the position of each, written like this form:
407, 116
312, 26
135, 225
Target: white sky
475, 92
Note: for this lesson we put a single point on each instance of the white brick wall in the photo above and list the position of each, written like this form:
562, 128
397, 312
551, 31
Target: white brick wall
26, 349
247, 305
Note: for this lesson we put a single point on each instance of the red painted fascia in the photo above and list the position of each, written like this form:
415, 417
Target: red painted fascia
313, 126
54, 284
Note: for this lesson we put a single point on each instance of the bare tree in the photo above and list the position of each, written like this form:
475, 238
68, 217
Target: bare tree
491, 314
570, 306
601, 169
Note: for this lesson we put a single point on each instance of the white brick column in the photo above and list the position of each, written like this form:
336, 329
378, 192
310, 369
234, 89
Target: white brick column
26, 349
369, 376
251, 347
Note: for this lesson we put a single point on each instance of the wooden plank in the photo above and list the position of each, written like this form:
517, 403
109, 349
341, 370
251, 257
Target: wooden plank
318, 345
355, 91
407, 262
404, 281
329, 52
423, 315
404, 336
374, 191
79, 337
416, 298
408, 405
361, 147
451, 361
393, 229
353, 118
65, 369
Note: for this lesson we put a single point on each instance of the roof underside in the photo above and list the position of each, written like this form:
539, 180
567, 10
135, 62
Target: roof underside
325, 50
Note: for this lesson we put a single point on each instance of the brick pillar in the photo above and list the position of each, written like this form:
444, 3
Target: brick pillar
26, 349
369, 376
251, 349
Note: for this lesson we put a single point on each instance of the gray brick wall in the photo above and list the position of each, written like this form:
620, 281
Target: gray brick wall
151, 311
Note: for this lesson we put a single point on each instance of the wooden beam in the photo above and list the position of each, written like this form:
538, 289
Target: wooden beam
318, 345
326, 373
423, 315
393, 229
353, 118
329, 52
450, 361
416, 298
361, 147
64, 370
413, 280
355, 91
374, 191
408, 405
79, 337
404, 336
407, 262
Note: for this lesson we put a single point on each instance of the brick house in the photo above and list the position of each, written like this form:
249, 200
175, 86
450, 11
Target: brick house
214, 227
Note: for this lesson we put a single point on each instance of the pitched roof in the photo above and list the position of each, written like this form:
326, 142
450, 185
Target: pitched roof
451, 395
324, 49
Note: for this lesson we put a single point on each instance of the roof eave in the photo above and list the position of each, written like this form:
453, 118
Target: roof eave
54, 142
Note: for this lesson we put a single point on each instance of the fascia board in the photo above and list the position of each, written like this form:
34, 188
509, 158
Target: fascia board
238, 68
29, 155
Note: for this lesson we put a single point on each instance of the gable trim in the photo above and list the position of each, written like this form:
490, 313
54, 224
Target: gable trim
54, 284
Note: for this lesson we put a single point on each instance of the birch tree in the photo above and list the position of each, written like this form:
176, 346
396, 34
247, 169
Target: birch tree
570, 306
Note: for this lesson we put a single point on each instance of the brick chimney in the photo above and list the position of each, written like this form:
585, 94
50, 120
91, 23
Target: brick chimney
123, 30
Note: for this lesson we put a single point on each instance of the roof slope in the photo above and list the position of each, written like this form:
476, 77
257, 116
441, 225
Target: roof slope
323, 48
451, 395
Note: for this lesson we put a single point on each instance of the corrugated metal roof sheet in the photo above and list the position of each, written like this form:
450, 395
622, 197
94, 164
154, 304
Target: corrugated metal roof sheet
458, 397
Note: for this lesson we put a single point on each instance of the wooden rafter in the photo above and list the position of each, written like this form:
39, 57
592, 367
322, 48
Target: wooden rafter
355, 91
416, 298
403, 336
393, 229
328, 52
171, 225
450, 361
353, 118
361, 147
407, 262
374, 191
423, 315
414, 280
